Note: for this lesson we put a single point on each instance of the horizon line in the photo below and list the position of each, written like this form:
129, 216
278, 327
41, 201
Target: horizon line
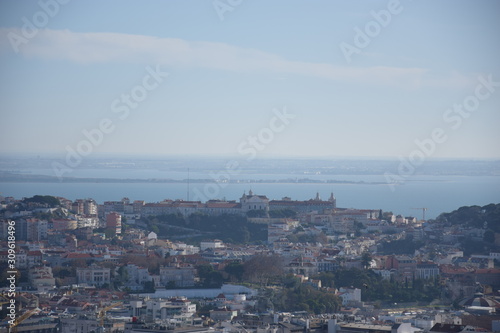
104, 155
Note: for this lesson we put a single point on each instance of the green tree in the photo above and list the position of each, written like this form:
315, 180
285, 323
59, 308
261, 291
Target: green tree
123, 275
209, 277
400, 246
263, 268
291, 282
149, 287
62, 272
256, 213
204, 270
204, 310
44, 199
358, 226
155, 229
235, 270
303, 298
213, 280
489, 236
110, 233
327, 279
283, 213
366, 259
374, 288
226, 227
387, 216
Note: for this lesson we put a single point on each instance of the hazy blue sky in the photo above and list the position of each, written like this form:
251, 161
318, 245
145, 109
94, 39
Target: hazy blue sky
226, 76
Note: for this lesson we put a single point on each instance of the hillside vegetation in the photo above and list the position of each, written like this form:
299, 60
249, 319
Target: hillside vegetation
474, 216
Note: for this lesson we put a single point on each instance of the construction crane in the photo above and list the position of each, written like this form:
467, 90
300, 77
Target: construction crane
2, 304
423, 212
26, 315
102, 313
3, 301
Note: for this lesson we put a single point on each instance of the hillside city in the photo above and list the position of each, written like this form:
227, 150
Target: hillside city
252, 265
232, 166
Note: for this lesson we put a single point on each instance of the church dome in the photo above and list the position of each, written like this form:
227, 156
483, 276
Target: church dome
480, 300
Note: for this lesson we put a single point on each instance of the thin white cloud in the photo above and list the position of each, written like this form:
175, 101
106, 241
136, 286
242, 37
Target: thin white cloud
87, 48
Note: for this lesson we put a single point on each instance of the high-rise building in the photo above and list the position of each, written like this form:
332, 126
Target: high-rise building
30, 229
86, 207
114, 222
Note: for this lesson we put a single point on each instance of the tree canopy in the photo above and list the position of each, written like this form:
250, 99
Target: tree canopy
374, 288
227, 227
48, 200
474, 216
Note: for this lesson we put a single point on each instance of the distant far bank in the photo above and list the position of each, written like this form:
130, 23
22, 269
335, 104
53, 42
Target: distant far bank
6, 176
196, 168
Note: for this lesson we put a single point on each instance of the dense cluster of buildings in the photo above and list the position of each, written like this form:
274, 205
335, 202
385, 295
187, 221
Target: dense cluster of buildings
81, 273
246, 203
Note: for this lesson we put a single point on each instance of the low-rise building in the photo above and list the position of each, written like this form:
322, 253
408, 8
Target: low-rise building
93, 275
211, 244
350, 296
137, 276
41, 278
222, 314
177, 276
427, 270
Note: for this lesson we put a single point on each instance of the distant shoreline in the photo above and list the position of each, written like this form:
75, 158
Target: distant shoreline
8, 177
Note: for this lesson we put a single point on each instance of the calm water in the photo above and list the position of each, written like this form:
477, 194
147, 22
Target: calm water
437, 193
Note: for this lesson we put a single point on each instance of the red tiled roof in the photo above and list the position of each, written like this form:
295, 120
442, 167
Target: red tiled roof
77, 256
487, 271
448, 269
222, 205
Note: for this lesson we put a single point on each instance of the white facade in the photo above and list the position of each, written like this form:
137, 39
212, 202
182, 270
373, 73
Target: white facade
223, 314
179, 308
183, 249
42, 278
22, 260
447, 318
93, 275
427, 271
75, 325
349, 295
495, 255
384, 273
137, 276
211, 244
91, 222
254, 202
276, 232
178, 276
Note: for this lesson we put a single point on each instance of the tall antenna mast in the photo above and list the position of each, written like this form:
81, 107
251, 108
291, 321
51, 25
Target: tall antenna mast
188, 186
